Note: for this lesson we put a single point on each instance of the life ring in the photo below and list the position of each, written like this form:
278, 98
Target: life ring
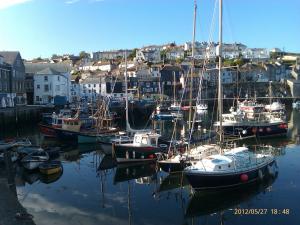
163, 146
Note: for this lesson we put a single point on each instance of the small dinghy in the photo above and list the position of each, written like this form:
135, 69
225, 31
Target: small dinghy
50, 168
34, 159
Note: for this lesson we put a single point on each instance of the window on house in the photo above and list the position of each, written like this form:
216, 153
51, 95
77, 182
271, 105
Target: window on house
45, 78
38, 86
37, 98
94, 85
46, 87
58, 78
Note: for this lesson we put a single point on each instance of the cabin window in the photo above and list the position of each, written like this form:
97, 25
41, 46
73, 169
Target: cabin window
137, 139
59, 121
220, 167
144, 140
153, 141
76, 123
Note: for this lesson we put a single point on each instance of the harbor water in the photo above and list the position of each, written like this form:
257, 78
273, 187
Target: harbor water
93, 190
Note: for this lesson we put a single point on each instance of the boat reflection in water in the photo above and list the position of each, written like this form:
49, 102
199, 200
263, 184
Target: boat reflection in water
24, 176
208, 202
172, 181
130, 172
47, 179
107, 162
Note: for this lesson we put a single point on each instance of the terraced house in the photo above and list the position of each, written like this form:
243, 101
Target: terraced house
12, 79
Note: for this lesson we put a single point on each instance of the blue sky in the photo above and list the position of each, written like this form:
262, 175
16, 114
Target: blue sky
44, 27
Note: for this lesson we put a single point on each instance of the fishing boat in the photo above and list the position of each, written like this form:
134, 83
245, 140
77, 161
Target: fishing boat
35, 159
263, 124
174, 107
107, 141
201, 107
144, 147
51, 122
167, 116
232, 166
49, 168
103, 125
145, 142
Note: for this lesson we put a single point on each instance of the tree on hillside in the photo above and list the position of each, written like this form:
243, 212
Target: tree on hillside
173, 44
132, 54
54, 56
83, 54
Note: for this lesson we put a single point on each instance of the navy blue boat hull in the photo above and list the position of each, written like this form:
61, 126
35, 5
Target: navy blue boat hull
219, 181
258, 131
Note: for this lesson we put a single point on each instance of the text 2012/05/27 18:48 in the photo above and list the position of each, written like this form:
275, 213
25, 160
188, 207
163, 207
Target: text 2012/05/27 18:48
253, 211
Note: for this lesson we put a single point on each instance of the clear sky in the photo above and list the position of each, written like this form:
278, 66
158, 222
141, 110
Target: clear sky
44, 27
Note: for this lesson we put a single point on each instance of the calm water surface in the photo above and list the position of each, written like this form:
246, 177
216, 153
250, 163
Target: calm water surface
93, 191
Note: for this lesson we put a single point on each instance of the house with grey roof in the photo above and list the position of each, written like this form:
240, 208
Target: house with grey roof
51, 86
36, 84
5, 79
16, 83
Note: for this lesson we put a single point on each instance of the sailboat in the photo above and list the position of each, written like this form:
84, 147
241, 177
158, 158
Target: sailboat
201, 107
177, 161
175, 106
145, 143
163, 113
232, 166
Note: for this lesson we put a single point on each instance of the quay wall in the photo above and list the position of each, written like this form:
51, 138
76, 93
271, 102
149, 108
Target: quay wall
11, 118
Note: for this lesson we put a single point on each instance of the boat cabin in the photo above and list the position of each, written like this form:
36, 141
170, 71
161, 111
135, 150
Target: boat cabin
218, 163
146, 139
71, 124
232, 118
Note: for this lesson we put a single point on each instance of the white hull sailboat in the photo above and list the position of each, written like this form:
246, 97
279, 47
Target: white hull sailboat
232, 166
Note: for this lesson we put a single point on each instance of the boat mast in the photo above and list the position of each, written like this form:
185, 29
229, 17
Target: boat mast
174, 88
220, 89
126, 94
270, 93
193, 65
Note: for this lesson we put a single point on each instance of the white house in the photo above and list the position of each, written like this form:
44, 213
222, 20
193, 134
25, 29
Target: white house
256, 53
75, 95
90, 88
91, 66
49, 83
175, 53
148, 55
211, 51
109, 54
